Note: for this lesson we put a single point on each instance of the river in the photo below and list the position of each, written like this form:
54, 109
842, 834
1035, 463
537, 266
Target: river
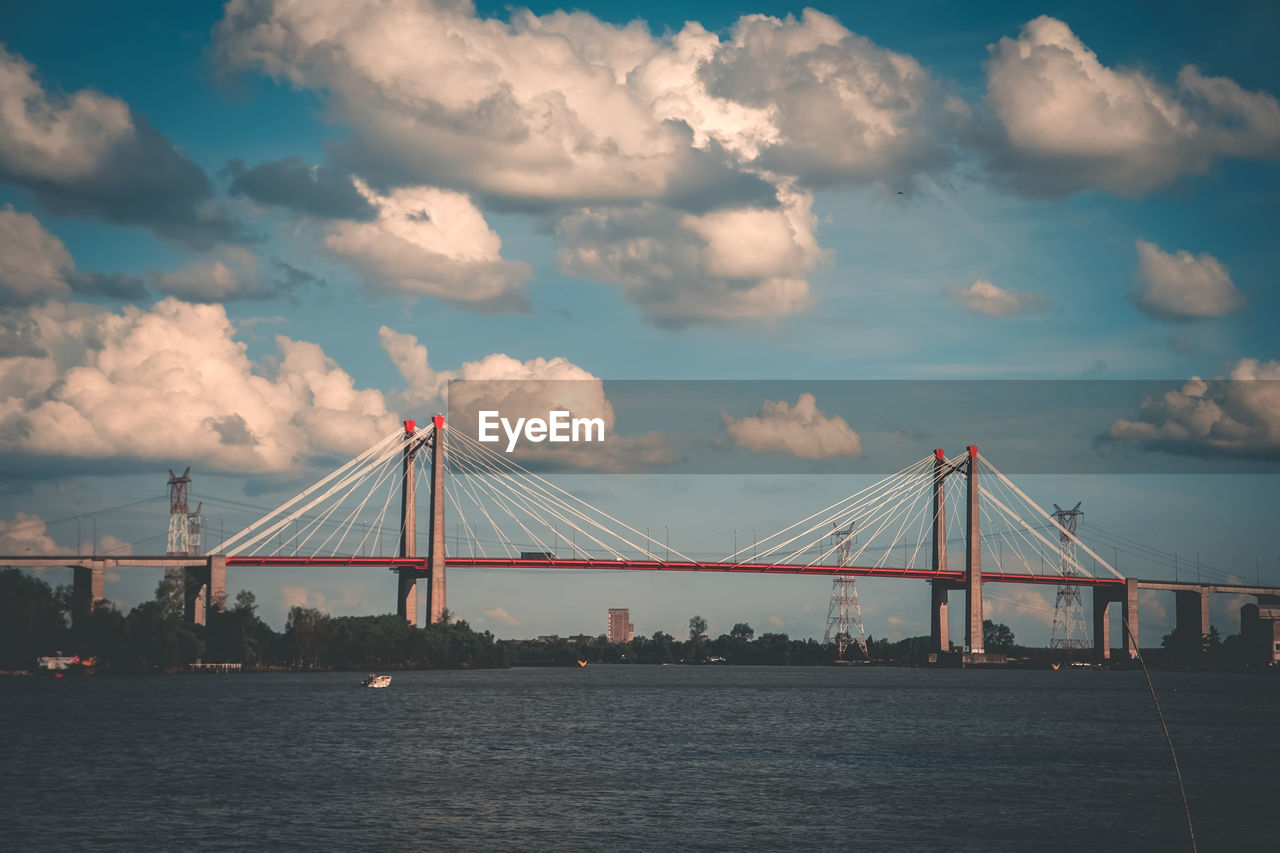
640, 758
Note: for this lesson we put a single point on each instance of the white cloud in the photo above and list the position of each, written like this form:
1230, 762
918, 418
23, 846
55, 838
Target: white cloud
1072, 123
1183, 287
1152, 611
32, 261
677, 158
350, 600
431, 242
1240, 417
828, 104
1022, 601
55, 139
172, 383
529, 388
232, 274
776, 622
566, 107
26, 534
499, 614
802, 430
729, 264
985, 298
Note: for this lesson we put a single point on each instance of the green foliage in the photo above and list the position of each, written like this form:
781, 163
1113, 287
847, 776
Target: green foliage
996, 636
32, 621
155, 635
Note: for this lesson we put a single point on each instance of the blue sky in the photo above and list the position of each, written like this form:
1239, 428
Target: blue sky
916, 191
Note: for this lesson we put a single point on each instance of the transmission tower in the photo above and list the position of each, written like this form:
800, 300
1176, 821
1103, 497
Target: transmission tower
1068, 611
844, 616
184, 533
182, 522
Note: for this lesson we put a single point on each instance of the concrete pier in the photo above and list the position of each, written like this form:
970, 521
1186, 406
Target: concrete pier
1192, 611
973, 563
407, 579
939, 627
1102, 599
435, 555
1129, 618
87, 588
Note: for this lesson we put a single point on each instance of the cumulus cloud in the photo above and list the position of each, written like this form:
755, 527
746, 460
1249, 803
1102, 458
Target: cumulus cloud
1070, 123
567, 108
319, 191
499, 614
985, 298
172, 382
728, 264
1182, 286
825, 103
27, 535
88, 154
431, 242
1018, 600
664, 158
35, 266
231, 273
802, 430
529, 388
1236, 417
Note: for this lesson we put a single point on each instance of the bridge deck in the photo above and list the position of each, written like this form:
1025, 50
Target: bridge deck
420, 563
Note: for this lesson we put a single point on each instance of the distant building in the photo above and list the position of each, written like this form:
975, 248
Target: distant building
620, 628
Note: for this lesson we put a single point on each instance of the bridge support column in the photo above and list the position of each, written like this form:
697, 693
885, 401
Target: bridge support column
195, 593
407, 579
1129, 618
973, 563
435, 556
218, 582
407, 595
1191, 607
1101, 624
87, 589
939, 627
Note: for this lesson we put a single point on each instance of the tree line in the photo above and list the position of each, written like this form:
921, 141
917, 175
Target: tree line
740, 646
154, 636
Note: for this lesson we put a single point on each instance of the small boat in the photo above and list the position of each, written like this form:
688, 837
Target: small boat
377, 681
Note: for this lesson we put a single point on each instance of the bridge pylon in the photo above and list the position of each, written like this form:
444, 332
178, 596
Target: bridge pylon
407, 576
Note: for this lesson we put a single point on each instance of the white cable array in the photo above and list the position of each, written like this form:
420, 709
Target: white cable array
374, 456
535, 491
1050, 519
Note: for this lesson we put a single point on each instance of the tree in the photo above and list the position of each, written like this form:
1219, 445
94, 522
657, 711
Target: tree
742, 631
31, 620
308, 633
996, 635
697, 629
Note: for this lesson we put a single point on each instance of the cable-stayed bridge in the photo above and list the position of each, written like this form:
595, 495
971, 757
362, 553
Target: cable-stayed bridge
508, 517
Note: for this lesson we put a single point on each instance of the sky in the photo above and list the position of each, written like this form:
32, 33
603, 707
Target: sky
252, 237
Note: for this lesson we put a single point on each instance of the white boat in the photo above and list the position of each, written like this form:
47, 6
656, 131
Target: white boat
377, 681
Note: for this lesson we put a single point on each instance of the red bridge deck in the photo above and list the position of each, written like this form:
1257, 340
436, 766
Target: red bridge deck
420, 563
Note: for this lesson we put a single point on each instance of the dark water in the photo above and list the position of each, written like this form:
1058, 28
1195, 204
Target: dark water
639, 758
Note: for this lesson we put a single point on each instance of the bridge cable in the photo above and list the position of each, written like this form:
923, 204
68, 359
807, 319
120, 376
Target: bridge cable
1182, 790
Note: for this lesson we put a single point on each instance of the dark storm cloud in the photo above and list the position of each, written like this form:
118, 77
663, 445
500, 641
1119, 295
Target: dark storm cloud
142, 181
112, 286
319, 191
